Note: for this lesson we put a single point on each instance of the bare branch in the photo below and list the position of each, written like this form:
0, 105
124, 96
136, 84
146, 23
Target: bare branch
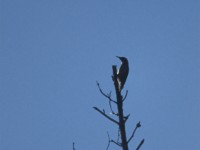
110, 104
137, 126
126, 118
106, 95
117, 143
108, 141
103, 113
125, 95
118, 135
74, 146
140, 144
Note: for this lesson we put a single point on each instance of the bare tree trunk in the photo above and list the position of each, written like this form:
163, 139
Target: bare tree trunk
120, 110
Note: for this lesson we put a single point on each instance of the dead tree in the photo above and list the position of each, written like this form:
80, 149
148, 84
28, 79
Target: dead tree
122, 119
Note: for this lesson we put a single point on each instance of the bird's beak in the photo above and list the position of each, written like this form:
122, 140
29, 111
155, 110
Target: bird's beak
118, 57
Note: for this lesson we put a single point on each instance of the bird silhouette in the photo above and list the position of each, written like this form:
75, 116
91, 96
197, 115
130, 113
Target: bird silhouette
122, 72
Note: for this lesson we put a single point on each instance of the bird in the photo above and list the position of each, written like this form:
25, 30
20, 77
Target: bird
122, 72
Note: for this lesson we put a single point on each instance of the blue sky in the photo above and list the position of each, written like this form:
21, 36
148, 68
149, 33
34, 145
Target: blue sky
52, 52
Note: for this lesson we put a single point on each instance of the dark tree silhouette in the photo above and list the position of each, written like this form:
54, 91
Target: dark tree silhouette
121, 122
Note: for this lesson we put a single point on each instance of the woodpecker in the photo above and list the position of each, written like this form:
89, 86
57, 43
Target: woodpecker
122, 72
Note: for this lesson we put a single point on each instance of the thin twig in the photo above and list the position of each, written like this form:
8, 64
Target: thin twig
108, 141
103, 113
125, 95
126, 118
106, 95
140, 144
110, 104
137, 126
117, 143
118, 135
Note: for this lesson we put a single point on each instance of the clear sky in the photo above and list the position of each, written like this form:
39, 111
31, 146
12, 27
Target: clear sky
53, 51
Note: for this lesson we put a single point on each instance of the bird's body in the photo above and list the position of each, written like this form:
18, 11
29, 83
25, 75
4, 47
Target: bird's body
122, 72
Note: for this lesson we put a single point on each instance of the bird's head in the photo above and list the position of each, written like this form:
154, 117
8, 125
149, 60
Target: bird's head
123, 59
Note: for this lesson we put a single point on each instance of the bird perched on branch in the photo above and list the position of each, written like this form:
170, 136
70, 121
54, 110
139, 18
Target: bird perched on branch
122, 72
